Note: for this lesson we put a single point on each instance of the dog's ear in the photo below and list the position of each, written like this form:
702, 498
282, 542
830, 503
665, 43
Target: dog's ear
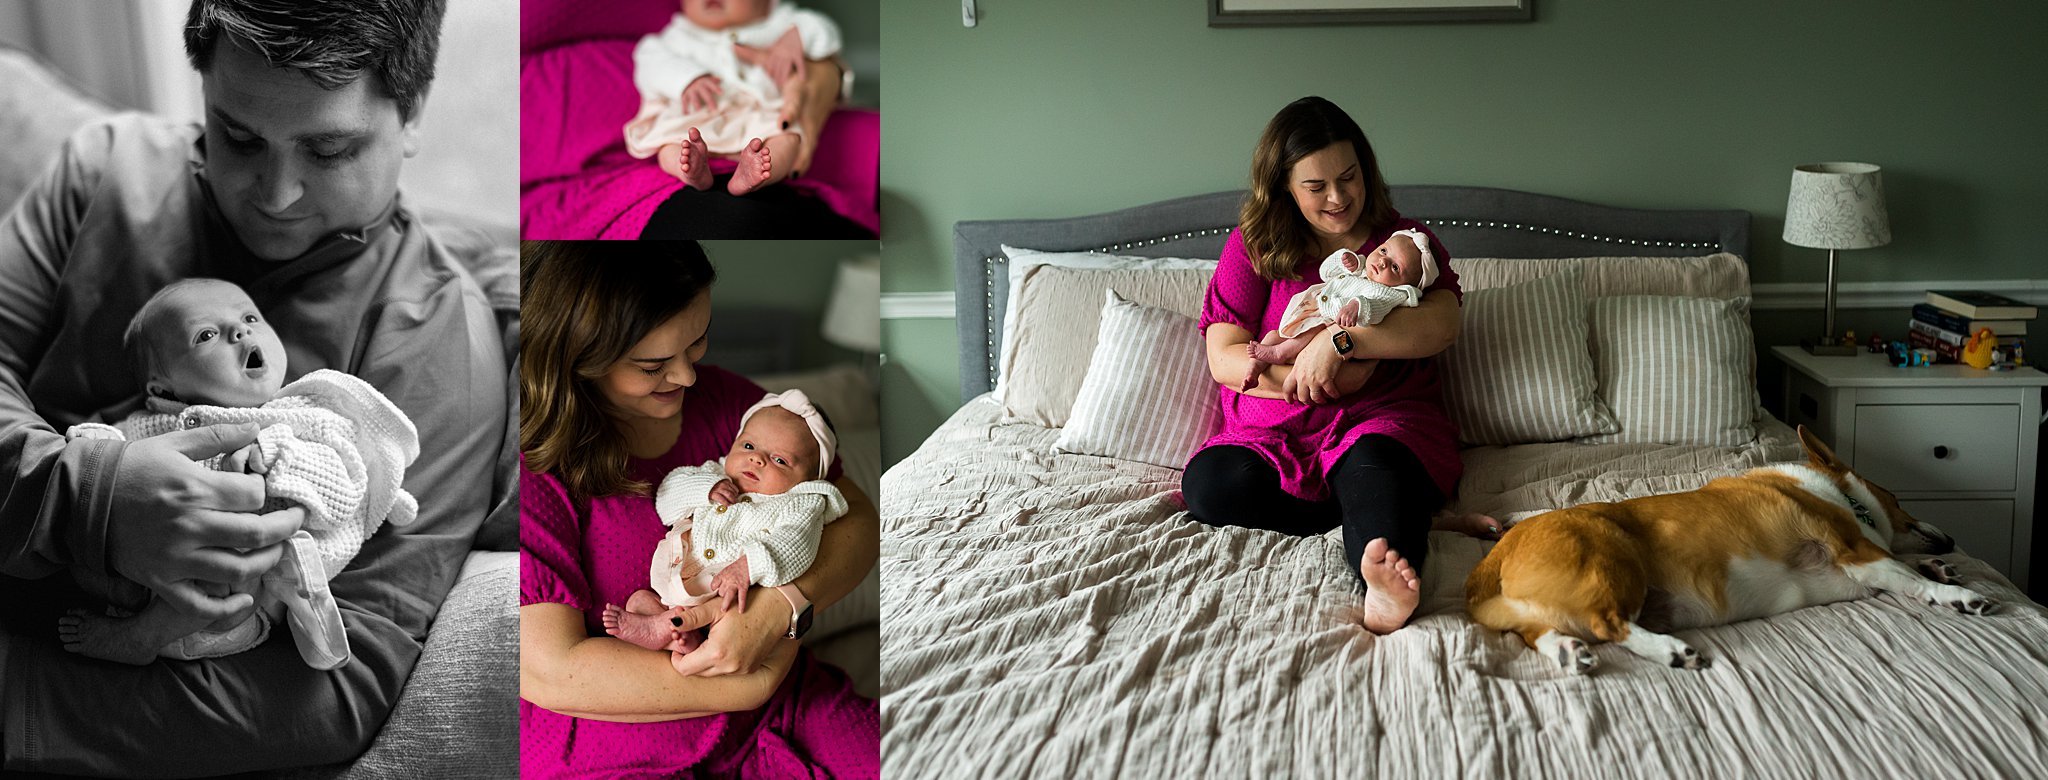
1817, 453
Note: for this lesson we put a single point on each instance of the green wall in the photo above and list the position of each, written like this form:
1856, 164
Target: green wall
1053, 109
791, 277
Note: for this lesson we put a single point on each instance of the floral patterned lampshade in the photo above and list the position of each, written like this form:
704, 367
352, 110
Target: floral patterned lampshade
1837, 206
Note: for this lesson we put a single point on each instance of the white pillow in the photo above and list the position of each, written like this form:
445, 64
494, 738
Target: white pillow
1520, 371
1148, 395
1025, 262
1676, 370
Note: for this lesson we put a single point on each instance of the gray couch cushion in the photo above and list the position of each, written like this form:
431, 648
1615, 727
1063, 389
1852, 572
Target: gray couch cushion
38, 110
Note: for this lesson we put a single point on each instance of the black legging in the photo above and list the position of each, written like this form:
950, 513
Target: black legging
769, 212
1381, 490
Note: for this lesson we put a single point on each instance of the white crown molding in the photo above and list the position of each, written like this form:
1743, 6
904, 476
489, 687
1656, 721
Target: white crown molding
1882, 295
917, 306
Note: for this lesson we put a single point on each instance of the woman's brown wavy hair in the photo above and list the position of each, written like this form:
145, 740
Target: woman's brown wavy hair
582, 305
1275, 234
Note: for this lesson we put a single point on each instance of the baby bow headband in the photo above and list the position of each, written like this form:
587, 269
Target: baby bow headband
800, 405
1421, 240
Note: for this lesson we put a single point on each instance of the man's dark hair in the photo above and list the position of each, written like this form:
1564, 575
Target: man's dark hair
331, 41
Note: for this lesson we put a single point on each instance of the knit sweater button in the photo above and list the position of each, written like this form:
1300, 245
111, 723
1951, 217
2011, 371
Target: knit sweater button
710, 554
719, 509
191, 422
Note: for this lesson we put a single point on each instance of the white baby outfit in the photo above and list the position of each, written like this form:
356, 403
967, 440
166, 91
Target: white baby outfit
778, 534
329, 442
1319, 304
750, 104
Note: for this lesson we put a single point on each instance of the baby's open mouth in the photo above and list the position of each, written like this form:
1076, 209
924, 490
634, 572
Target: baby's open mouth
255, 360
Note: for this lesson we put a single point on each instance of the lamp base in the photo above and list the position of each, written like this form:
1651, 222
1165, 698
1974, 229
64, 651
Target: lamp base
1815, 347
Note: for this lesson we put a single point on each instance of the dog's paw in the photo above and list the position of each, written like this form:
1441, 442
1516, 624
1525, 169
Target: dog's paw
1575, 657
1964, 600
1687, 658
1939, 570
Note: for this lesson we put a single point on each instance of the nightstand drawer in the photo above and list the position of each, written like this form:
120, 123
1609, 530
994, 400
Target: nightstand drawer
1925, 447
1981, 528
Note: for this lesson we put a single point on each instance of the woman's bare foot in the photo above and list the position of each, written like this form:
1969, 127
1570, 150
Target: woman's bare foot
757, 166
688, 161
1392, 588
653, 632
1470, 524
130, 640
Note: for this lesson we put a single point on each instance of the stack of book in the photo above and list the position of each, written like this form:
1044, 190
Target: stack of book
1948, 318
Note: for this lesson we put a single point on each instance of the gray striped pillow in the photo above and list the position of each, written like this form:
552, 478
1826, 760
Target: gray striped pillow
1676, 370
1148, 395
1520, 371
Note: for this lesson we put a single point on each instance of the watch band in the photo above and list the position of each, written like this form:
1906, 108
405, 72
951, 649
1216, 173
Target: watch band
799, 610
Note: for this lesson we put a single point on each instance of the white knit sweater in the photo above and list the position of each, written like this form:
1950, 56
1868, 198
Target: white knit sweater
778, 534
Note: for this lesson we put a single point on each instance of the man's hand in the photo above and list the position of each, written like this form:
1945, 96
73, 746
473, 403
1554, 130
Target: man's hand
702, 93
725, 493
175, 524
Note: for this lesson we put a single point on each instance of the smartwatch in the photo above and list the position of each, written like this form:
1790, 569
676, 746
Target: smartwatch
799, 611
1342, 339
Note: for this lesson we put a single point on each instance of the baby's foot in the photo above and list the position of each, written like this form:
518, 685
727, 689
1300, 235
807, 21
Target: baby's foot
130, 640
686, 641
1251, 377
756, 166
653, 632
688, 161
1470, 524
1392, 588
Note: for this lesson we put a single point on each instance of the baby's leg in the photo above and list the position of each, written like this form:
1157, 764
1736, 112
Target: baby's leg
1259, 365
763, 163
688, 161
1284, 351
130, 640
650, 629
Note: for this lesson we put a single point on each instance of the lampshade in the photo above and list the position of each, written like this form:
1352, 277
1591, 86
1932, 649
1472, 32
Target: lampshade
1837, 205
853, 318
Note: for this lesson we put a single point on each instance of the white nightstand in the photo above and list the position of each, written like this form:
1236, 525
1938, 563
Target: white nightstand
1955, 444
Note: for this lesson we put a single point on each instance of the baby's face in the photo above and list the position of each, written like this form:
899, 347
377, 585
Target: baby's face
1395, 263
720, 14
773, 453
213, 347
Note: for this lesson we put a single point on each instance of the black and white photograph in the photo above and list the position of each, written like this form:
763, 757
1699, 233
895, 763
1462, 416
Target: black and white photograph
258, 320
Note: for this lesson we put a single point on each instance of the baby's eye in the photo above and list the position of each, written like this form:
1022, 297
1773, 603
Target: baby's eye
251, 319
746, 445
780, 462
205, 335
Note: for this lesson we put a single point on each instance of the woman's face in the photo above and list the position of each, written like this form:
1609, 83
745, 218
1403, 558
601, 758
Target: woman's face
1329, 189
648, 382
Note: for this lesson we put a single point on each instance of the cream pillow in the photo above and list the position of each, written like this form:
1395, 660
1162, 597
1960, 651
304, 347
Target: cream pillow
1713, 276
1520, 371
1052, 318
1676, 370
1148, 395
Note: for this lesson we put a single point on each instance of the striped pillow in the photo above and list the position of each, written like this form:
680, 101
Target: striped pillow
1520, 371
1676, 370
1148, 395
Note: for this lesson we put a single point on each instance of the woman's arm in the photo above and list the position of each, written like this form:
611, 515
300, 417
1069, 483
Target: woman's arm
1423, 331
564, 669
1229, 359
846, 551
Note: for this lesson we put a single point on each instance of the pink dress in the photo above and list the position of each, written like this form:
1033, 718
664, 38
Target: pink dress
1403, 399
589, 553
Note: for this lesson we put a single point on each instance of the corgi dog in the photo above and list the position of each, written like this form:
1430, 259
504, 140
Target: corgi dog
1772, 540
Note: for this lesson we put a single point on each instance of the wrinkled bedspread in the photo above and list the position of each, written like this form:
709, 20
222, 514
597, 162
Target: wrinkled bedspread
1059, 616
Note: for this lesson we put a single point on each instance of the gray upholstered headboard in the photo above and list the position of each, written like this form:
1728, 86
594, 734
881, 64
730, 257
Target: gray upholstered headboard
1471, 222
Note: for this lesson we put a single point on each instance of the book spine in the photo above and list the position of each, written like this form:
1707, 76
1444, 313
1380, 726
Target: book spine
1942, 318
1944, 335
1943, 353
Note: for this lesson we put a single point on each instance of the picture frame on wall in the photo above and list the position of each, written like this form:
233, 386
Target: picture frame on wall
1273, 13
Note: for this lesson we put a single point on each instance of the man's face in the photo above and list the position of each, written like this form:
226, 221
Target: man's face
291, 163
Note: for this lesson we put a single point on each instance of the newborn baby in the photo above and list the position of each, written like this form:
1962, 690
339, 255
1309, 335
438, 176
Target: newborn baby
751, 518
1353, 290
329, 443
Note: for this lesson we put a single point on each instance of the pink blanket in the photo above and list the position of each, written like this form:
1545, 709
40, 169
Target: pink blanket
576, 180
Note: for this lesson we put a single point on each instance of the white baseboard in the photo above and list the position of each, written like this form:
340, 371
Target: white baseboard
1775, 296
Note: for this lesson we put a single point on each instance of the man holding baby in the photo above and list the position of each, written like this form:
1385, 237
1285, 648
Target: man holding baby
289, 190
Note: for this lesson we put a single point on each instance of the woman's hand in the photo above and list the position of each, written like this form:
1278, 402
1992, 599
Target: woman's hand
1314, 378
782, 60
741, 639
702, 93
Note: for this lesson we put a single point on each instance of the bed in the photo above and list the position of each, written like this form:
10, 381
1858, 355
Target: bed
1051, 614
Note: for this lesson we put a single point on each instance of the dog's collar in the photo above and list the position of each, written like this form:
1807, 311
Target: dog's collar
1862, 512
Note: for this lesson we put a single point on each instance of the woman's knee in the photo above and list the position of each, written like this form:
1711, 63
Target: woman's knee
1218, 479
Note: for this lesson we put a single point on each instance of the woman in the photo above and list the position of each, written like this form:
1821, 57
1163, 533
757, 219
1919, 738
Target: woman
1355, 432
613, 397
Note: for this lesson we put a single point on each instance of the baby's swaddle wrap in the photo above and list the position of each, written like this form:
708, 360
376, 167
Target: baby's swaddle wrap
778, 534
330, 443
1319, 304
750, 104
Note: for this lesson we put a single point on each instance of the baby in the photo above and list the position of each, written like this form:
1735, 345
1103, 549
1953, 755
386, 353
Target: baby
1353, 290
751, 518
721, 78
329, 443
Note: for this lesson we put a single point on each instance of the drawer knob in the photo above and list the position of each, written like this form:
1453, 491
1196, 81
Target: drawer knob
1940, 453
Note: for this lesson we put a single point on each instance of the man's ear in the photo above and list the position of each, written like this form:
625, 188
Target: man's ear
409, 130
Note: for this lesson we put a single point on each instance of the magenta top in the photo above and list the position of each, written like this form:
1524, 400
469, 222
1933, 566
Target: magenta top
589, 553
1403, 399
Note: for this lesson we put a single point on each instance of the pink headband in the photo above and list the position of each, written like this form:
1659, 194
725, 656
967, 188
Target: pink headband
1428, 258
800, 405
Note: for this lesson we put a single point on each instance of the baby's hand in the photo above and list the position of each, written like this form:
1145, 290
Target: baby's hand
725, 493
247, 460
731, 584
1350, 261
1347, 315
702, 93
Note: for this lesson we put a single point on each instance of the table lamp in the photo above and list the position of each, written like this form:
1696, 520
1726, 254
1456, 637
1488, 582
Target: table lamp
853, 316
1835, 206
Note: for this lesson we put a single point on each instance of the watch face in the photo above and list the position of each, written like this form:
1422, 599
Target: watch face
803, 621
1343, 341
